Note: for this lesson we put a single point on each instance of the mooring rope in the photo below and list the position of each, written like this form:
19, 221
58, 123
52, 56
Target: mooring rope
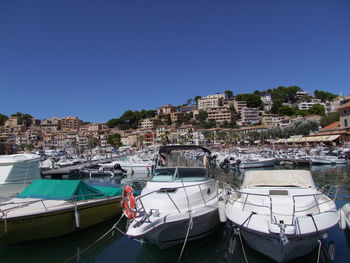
242, 245
190, 223
95, 242
319, 250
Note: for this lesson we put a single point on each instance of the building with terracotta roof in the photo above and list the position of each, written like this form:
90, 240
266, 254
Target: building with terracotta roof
344, 115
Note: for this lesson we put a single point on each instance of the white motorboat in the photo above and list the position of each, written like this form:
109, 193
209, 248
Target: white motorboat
328, 160
17, 171
252, 162
344, 216
130, 164
177, 204
64, 162
281, 213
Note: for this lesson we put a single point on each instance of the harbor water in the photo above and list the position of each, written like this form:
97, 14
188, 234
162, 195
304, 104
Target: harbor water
221, 246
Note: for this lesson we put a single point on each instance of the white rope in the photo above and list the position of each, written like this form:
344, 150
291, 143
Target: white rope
190, 223
319, 250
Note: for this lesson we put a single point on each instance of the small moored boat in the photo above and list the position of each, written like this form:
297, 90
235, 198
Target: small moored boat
178, 203
281, 213
50, 208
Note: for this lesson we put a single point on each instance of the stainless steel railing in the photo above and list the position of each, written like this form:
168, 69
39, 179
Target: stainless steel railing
245, 195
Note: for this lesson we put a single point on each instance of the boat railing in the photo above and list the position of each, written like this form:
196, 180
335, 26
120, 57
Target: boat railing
172, 190
19, 205
330, 191
317, 204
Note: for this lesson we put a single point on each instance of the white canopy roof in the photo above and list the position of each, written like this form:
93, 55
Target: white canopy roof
301, 178
15, 158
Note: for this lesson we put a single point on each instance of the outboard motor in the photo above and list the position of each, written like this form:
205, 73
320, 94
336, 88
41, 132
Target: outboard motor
238, 162
118, 167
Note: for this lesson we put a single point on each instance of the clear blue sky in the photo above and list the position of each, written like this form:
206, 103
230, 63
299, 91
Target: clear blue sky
97, 59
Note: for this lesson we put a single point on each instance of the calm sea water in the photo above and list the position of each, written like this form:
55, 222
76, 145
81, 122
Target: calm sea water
218, 247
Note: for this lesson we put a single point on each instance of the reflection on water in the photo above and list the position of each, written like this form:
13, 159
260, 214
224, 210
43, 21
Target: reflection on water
221, 246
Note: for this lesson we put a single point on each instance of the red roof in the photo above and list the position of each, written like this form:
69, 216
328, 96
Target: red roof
333, 125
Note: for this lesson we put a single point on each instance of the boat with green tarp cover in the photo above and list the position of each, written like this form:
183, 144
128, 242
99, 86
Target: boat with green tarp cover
49, 208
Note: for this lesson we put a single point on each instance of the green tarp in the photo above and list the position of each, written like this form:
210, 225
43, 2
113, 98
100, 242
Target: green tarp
66, 190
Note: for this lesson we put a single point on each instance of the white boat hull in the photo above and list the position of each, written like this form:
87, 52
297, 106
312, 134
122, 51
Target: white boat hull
256, 164
271, 245
328, 161
173, 233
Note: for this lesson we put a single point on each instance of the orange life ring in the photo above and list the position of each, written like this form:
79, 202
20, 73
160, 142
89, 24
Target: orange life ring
128, 203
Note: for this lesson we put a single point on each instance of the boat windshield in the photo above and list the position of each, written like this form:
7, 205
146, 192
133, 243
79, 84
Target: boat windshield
179, 174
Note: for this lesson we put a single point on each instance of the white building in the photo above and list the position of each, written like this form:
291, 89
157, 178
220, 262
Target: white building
308, 105
267, 102
210, 101
149, 123
250, 116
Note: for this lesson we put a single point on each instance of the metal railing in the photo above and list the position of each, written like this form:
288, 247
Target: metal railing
141, 212
273, 219
72, 199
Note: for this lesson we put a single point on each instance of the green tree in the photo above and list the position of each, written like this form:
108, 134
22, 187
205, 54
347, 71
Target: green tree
228, 93
24, 118
286, 110
317, 109
197, 98
324, 96
3, 118
92, 142
253, 100
202, 116
329, 119
115, 140
130, 118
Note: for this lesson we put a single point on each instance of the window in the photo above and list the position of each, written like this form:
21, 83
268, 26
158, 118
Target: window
345, 123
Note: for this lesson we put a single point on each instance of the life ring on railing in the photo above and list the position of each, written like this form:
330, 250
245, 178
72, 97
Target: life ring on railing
129, 203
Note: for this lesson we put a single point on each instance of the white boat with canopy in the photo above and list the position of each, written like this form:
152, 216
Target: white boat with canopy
281, 213
178, 203
17, 171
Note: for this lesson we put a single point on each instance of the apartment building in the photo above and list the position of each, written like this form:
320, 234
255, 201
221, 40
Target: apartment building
344, 112
228, 102
219, 114
186, 108
250, 116
239, 105
166, 109
308, 105
175, 116
12, 122
53, 124
211, 101
332, 106
71, 123
271, 119
149, 123
301, 95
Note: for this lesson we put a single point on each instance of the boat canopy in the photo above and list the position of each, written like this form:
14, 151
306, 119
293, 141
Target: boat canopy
299, 178
66, 190
18, 168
